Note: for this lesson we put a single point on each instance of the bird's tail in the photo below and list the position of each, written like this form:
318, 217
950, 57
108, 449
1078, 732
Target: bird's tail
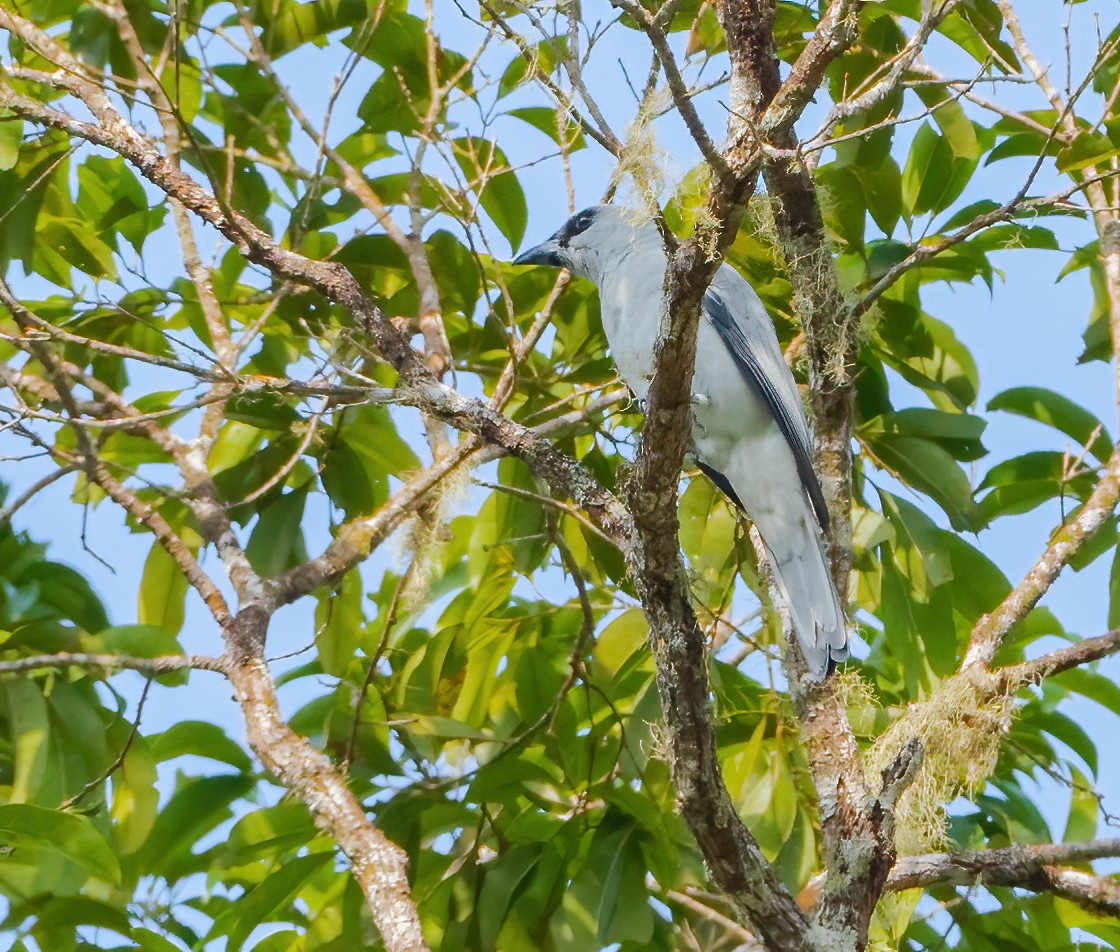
801, 573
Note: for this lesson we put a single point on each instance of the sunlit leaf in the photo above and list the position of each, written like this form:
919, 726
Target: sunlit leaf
26, 827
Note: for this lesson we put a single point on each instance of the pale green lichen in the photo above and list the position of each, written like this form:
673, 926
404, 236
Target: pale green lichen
423, 537
643, 162
852, 690
825, 939
961, 727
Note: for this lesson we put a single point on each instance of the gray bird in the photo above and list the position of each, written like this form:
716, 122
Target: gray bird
749, 434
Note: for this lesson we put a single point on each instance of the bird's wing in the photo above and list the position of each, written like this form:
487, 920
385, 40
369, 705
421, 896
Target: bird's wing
754, 347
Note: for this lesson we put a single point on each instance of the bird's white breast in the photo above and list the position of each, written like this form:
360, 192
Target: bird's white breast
631, 319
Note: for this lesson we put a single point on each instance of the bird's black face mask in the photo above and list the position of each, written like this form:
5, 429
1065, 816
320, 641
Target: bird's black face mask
553, 252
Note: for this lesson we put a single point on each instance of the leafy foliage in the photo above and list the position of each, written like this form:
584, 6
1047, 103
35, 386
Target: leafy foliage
491, 694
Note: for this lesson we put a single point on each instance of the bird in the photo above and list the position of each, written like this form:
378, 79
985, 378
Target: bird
749, 432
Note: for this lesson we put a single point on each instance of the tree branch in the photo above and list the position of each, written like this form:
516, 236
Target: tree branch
379, 865
989, 631
1076, 655
152, 667
677, 86
897, 68
1037, 868
335, 281
356, 538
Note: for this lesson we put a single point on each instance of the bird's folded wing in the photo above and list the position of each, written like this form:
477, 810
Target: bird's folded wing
765, 373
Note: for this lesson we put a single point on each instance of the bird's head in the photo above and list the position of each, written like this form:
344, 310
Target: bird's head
587, 243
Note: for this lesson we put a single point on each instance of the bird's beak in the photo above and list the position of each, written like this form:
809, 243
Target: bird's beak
547, 253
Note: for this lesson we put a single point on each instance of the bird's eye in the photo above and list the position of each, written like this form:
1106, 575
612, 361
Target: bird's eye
584, 221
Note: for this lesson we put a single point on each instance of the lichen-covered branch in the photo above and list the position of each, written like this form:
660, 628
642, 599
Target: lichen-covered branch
677, 644
379, 865
152, 667
1040, 868
1082, 652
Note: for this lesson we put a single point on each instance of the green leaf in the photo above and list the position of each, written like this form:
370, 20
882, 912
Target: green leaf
110, 196
976, 28
842, 203
963, 263
934, 175
1020, 144
198, 739
67, 592
387, 108
925, 466
509, 526
260, 903
1012, 235
1084, 810
1024, 482
500, 884
144, 641
134, 803
149, 941
183, 86
362, 148
456, 272
198, 806
141, 641
301, 23
967, 214
27, 827
1070, 733
1046, 406
619, 643
163, 592
11, 137
339, 624
366, 451
1093, 685
928, 354
914, 529
545, 58
276, 543
770, 806
959, 131
267, 833
491, 178
288, 940
957, 433
29, 730
1114, 593
63, 242
556, 124
918, 636
614, 887
884, 255
882, 191
352, 481
982, 585
42, 164
61, 917
1087, 149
